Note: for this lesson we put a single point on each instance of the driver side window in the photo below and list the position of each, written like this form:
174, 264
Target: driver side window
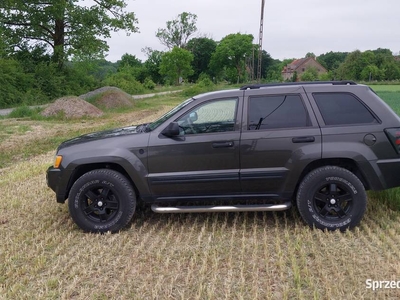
213, 116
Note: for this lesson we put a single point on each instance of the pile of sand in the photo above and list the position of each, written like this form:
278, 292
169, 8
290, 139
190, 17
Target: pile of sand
72, 107
113, 99
109, 97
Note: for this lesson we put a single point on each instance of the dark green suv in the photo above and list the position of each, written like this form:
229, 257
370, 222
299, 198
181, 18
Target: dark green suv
315, 145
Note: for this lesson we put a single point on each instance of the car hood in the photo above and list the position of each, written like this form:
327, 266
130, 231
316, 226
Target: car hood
101, 135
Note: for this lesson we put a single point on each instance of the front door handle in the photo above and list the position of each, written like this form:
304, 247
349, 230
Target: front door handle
303, 139
222, 144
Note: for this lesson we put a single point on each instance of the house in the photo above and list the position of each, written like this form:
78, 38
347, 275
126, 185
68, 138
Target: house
300, 66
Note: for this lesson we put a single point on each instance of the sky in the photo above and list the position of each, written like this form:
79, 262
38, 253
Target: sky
292, 28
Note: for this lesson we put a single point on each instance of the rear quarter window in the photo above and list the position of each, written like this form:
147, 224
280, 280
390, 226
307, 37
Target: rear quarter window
343, 109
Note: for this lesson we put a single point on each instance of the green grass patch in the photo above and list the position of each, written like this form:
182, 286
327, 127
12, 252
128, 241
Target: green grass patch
385, 88
389, 197
25, 112
392, 99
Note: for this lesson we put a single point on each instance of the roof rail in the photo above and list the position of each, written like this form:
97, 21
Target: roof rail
257, 86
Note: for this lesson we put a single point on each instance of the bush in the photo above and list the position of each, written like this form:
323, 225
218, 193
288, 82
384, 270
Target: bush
205, 81
24, 112
149, 84
126, 82
204, 85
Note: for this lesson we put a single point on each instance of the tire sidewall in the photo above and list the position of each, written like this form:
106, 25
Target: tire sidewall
320, 177
120, 188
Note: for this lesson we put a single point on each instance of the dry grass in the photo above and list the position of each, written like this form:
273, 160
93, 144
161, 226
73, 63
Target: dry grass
196, 256
20, 138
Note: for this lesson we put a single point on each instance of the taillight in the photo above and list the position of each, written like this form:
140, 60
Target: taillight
393, 135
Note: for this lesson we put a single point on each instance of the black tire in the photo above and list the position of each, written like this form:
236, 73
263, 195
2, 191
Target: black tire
102, 200
331, 198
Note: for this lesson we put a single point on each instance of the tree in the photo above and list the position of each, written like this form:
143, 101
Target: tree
129, 60
202, 50
178, 31
231, 53
66, 26
351, 68
152, 64
310, 54
176, 64
332, 60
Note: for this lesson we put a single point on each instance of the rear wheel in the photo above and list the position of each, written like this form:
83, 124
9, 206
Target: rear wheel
102, 200
331, 198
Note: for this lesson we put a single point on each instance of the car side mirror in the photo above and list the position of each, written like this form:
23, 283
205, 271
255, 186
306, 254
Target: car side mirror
171, 130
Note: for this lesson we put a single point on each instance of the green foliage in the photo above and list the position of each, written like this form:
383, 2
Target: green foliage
126, 81
14, 83
178, 31
129, 60
24, 112
176, 64
152, 64
274, 71
332, 60
149, 84
205, 81
294, 77
66, 27
267, 64
202, 50
231, 53
379, 64
326, 76
310, 74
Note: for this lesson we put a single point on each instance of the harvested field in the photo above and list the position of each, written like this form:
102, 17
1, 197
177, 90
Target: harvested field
195, 256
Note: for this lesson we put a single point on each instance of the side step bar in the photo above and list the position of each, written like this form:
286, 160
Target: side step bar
205, 209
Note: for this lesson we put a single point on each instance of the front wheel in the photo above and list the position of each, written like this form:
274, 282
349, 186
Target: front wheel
102, 200
331, 198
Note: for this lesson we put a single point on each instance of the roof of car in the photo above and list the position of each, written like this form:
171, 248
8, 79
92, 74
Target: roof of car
258, 86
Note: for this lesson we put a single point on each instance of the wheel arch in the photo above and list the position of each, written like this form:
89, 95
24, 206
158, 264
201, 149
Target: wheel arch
345, 163
85, 168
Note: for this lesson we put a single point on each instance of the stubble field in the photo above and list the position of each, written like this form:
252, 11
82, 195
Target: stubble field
43, 255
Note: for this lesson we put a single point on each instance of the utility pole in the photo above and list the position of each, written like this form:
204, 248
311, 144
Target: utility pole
260, 42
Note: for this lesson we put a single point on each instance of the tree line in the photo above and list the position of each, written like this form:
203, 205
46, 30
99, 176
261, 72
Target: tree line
50, 49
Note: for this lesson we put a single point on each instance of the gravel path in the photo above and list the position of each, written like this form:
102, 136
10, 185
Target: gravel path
5, 112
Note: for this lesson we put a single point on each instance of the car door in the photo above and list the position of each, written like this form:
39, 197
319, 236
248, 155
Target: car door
203, 160
280, 136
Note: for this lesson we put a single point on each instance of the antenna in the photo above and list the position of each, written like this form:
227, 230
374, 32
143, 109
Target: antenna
260, 41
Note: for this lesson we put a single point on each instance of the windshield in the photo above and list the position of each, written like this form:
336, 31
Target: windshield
162, 119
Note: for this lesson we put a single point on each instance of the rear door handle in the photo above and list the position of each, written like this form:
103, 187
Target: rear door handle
222, 144
303, 139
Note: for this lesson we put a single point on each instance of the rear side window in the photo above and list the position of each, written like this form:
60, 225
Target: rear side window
277, 111
343, 109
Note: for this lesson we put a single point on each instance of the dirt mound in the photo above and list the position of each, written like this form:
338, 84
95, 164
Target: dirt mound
114, 99
109, 97
100, 91
72, 107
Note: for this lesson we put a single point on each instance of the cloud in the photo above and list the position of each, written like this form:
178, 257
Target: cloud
291, 28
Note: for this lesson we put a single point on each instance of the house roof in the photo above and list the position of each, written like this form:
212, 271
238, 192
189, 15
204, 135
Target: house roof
297, 63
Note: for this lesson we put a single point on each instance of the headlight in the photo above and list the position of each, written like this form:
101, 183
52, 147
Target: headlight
57, 161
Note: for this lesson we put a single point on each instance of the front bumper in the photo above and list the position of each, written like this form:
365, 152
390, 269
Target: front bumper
53, 178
